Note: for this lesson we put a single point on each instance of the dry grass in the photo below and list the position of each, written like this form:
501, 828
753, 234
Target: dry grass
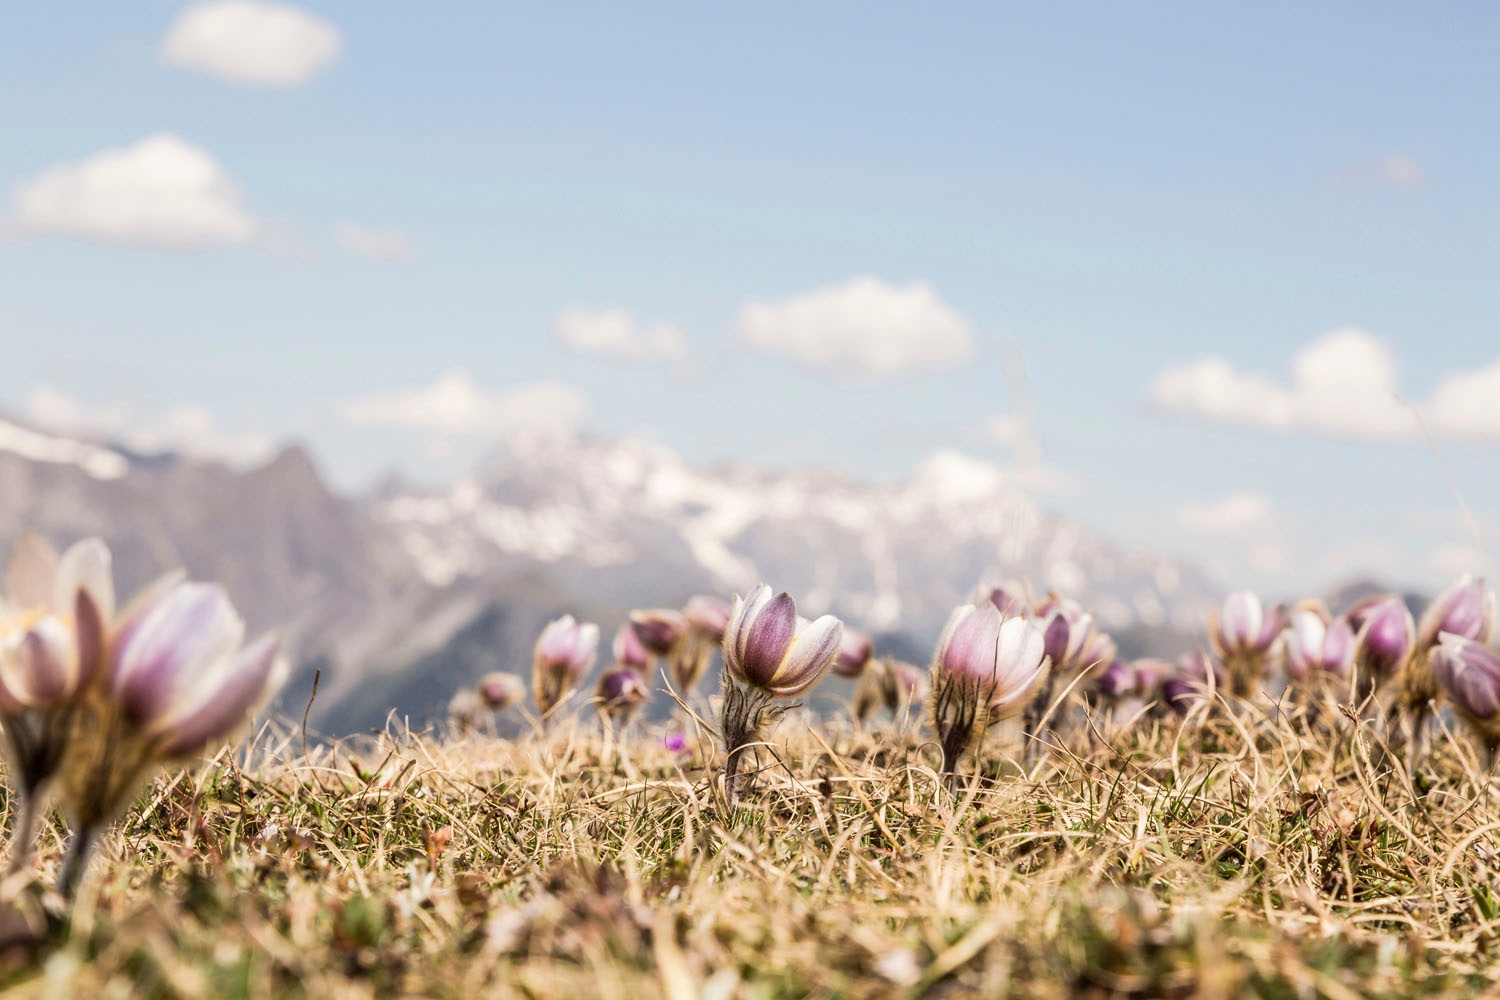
1243, 853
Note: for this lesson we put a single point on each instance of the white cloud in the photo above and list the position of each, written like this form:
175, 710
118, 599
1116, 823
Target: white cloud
252, 43
185, 430
1343, 384
862, 328
455, 405
1236, 514
373, 242
615, 333
163, 192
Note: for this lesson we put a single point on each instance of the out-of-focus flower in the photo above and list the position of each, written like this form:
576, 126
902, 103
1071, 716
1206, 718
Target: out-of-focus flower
1116, 681
769, 653
54, 614
629, 651
855, 651
1194, 677
1466, 608
1469, 672
986, 669
675, 743
1318, 644
1011, 598
1385, 638
707, 618
499, 691
1244, 635
177, 681
621, 692
658, 629
709, 615
565, 651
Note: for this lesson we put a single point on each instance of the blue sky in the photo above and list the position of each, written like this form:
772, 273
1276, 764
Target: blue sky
1107, 193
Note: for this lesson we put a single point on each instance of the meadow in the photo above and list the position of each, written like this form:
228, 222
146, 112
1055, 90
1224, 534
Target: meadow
1247, 849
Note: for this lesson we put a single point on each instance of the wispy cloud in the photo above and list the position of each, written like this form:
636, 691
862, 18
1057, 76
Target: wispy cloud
383, 243
615, 333
863, 328
1343, 384
455, 405
252, 43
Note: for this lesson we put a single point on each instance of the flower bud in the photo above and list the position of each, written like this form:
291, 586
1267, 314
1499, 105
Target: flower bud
709, 615
1244, 627
629, 651
621, 691
855, 651
1116, 681
767, 645
499, 691
986, 669
1385, 633
1190, 683
1317, 644
1467, 609
658, 629
1469, 673
564, 652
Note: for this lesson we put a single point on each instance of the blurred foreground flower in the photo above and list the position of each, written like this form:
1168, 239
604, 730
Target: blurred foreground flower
986, 669
178, 680
1244, 633
53, 616
1469, 672
565, 651
770, 654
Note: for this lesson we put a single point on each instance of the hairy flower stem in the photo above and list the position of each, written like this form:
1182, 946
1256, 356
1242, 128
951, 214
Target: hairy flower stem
959, 715
35, 742
113, 761
743, 720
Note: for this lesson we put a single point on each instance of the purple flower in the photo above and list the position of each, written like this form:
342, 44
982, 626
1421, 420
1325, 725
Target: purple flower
1005, 657
564, 652
1117, 680
1315, 644
675, 743
499, 691
1243, 627
1470, 674
1467, 608
1190, 682
629, 651
621, 691
1385, 633
855, 651
767, 646
179, 671
1012, 599
658, 629
709, 615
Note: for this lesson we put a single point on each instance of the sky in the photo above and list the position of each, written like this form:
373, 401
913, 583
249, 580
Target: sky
1217, 281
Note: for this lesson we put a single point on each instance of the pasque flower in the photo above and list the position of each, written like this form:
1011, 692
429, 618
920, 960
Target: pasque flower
499, 691
1317, 644
1469, 673
629, 651
53, 619
707, 618
770, 654
1195, 678
564, 652
621, 691
658, 629
855, 652
1244, 633
1467, 610
986, 669
1385, 638
177, 681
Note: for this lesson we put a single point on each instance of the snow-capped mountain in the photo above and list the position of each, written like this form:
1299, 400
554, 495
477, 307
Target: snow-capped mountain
400, 597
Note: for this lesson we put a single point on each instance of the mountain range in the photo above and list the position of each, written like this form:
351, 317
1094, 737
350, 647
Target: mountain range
399, 597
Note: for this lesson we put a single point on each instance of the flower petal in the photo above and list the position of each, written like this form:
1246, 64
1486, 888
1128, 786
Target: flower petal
221, 707
32, 570
87, 566
813, 648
